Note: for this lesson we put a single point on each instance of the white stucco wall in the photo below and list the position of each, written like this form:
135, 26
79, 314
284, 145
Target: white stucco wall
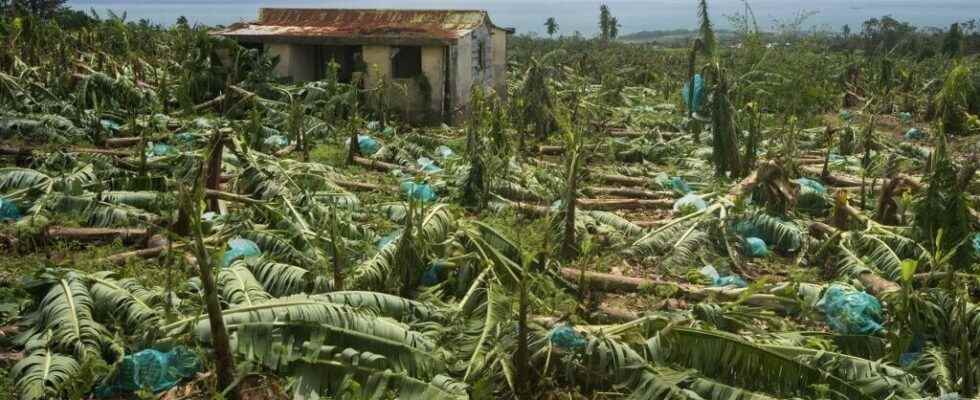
295, 61
499, 61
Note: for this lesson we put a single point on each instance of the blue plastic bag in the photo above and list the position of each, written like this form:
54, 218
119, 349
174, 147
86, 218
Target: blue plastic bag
976, 244
846, 116
433, 274
565, 337
810, 185
388, 239
915, 134
851, 312
276, 141
690, 203
444, 152
240, 248
160, 150
367, 144
418, 191
694, 103
9, 210
427, 165
756, 247
110, 125
679, 185
905, 117
721, 281
151, 369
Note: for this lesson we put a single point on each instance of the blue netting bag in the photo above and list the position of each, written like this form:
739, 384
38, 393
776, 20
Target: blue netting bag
690, 203
756, 247
9, 210
694, 103
367, 144
851, 312
240, 248
418, 191
565, 337
151, 369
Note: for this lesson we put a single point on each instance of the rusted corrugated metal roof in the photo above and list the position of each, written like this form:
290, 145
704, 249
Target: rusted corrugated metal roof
358, 25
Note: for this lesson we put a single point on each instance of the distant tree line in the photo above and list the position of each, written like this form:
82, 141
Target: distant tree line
886, 35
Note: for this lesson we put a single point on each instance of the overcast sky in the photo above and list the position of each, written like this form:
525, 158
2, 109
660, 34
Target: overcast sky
575, 15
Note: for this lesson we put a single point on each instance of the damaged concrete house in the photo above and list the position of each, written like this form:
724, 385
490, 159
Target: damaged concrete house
437, 56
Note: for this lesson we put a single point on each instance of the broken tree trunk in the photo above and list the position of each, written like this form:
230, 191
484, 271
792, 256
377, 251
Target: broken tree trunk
383, 166
627, 192
28, 150
876, 285
364, 187
95, 234
621, 179
214, 168
624, 204
625, 284
214, 195
123, 142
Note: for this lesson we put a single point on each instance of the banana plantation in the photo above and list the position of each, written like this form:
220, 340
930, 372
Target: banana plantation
625, 222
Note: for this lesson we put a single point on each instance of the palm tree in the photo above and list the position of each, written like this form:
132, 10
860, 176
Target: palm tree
551, 26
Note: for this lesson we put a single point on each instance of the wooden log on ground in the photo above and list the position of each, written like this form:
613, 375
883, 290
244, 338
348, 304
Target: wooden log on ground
551, 150
624, 204
363, 186
28, 150
839, 180
624, 284
649, 224
230, 197
123, 142
383, 166
627, 192
621, 179
95, 234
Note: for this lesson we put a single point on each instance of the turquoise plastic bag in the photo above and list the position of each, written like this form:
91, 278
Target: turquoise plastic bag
812, 195
679, 185
160, 150
276, 141
565, 337
151, 369
9, 210
694, 103
851, 312
756, 247
427, 165
810, 185
418, 191
367, 144
721, 281
690, 203
240, 248
388, 239
433, 274
915, 134
444, 152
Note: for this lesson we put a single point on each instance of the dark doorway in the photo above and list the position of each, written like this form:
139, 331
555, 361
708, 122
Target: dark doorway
347, 57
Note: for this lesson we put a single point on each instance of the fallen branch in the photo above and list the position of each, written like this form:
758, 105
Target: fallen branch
123, 141
231, 197
28, 150
621, 179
